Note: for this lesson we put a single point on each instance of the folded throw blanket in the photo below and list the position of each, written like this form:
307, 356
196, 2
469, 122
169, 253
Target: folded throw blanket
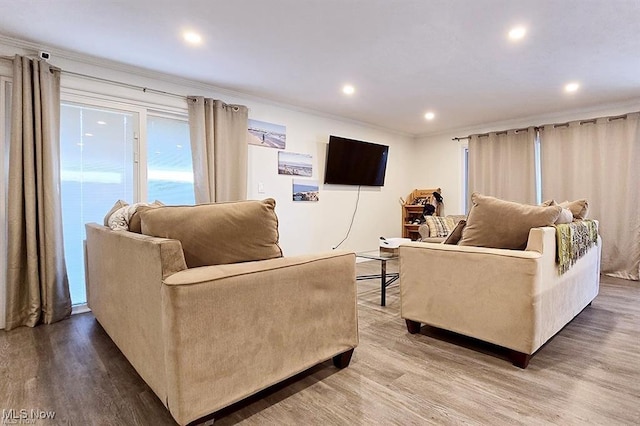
573, 240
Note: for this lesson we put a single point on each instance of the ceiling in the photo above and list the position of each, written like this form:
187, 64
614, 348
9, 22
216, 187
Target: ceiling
404, 58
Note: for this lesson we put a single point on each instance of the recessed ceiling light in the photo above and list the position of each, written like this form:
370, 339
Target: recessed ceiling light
348, 89
571, 87
192, 37
517, 33
102, 122
88, 134
179, 146
429, 115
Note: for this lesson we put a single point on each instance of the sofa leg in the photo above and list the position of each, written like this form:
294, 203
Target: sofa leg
519, 359
342, 360
413, 327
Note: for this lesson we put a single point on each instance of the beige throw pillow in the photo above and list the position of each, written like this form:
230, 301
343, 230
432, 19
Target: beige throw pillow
579, 208
220, 233
135, 224
565, 217
504, 224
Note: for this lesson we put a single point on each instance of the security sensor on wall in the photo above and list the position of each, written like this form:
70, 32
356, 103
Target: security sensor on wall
44, 55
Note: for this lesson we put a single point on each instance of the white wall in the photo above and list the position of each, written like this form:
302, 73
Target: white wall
439, 158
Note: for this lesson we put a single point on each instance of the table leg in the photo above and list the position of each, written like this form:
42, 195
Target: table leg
383, 283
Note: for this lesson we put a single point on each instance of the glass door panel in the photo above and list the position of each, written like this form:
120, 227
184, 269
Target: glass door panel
169, 163
97, 168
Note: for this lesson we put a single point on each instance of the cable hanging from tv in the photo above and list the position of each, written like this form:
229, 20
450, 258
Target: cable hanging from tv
352, 218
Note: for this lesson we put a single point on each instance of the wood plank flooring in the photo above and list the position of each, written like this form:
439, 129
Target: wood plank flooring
587, 374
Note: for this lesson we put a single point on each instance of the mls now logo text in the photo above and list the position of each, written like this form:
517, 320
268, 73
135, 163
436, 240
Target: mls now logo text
25, 417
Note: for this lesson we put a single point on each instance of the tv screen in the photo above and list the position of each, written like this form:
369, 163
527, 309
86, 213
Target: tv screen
352, 162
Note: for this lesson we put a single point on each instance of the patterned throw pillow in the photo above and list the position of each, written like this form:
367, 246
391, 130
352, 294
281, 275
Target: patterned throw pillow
439, 226
121, 219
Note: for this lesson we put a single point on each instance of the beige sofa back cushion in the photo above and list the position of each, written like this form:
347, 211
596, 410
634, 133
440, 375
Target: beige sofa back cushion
504, 224
219, 233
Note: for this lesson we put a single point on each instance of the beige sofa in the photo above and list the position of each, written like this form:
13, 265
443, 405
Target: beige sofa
205, 337
511, 298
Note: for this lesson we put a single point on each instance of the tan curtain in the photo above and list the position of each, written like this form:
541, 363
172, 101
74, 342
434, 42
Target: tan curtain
599, 161
503, 165
219, 148
37, 283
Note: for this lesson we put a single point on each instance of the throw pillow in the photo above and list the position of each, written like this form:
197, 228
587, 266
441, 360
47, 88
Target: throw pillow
439, 226
565, 217
504, 224
579, 208
219, 233
119, 220
118, 205
549, 203
455, 235
135, 225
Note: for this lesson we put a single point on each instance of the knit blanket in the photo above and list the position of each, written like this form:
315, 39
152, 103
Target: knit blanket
573, 240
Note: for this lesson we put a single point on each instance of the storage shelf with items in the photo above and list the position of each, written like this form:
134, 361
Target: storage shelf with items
412, 209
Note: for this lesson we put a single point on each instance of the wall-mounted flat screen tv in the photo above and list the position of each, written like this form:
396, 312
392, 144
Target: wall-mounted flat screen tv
352, 162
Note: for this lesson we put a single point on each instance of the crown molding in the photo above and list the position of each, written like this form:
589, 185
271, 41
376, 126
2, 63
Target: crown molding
539, 120
189, 85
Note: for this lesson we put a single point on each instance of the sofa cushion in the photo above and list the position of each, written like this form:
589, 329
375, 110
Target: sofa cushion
455, 235
135, 224
439, 226
219, 233
579, 208
504, 224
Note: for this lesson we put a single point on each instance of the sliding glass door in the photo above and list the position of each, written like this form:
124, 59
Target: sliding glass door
108, 153
97, 149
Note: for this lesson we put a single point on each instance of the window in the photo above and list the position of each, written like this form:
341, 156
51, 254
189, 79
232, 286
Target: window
111, 151
169, 163
465, 179
538, 167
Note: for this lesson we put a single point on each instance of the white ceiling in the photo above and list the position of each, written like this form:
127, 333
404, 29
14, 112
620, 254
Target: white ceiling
404, 58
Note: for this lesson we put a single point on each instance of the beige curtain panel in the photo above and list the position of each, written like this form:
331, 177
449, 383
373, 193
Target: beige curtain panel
219, 149
37, 283
502, 164
600, 161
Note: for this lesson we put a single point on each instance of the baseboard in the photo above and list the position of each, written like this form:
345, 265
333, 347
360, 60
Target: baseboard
80, 309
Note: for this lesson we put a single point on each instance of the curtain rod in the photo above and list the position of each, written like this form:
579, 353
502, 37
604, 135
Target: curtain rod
541, 127
128, 85
106, 80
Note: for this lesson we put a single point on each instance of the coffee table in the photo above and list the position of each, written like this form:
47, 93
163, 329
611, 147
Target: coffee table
385, 279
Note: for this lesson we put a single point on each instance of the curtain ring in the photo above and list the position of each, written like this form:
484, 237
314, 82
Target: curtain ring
236, 108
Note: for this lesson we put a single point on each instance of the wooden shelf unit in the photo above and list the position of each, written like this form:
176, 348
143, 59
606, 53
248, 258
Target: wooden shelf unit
412, 211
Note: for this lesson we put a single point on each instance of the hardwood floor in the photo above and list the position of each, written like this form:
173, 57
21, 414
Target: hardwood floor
587, 374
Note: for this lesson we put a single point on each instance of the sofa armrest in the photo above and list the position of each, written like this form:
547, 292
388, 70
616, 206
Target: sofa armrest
475, 291
124, 272
247, 326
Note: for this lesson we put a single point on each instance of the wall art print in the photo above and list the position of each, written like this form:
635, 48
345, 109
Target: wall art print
270, 135
305, 190
291, 163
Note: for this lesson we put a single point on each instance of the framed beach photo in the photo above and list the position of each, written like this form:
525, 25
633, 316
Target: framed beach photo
305, 190
291, 163
270, 135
